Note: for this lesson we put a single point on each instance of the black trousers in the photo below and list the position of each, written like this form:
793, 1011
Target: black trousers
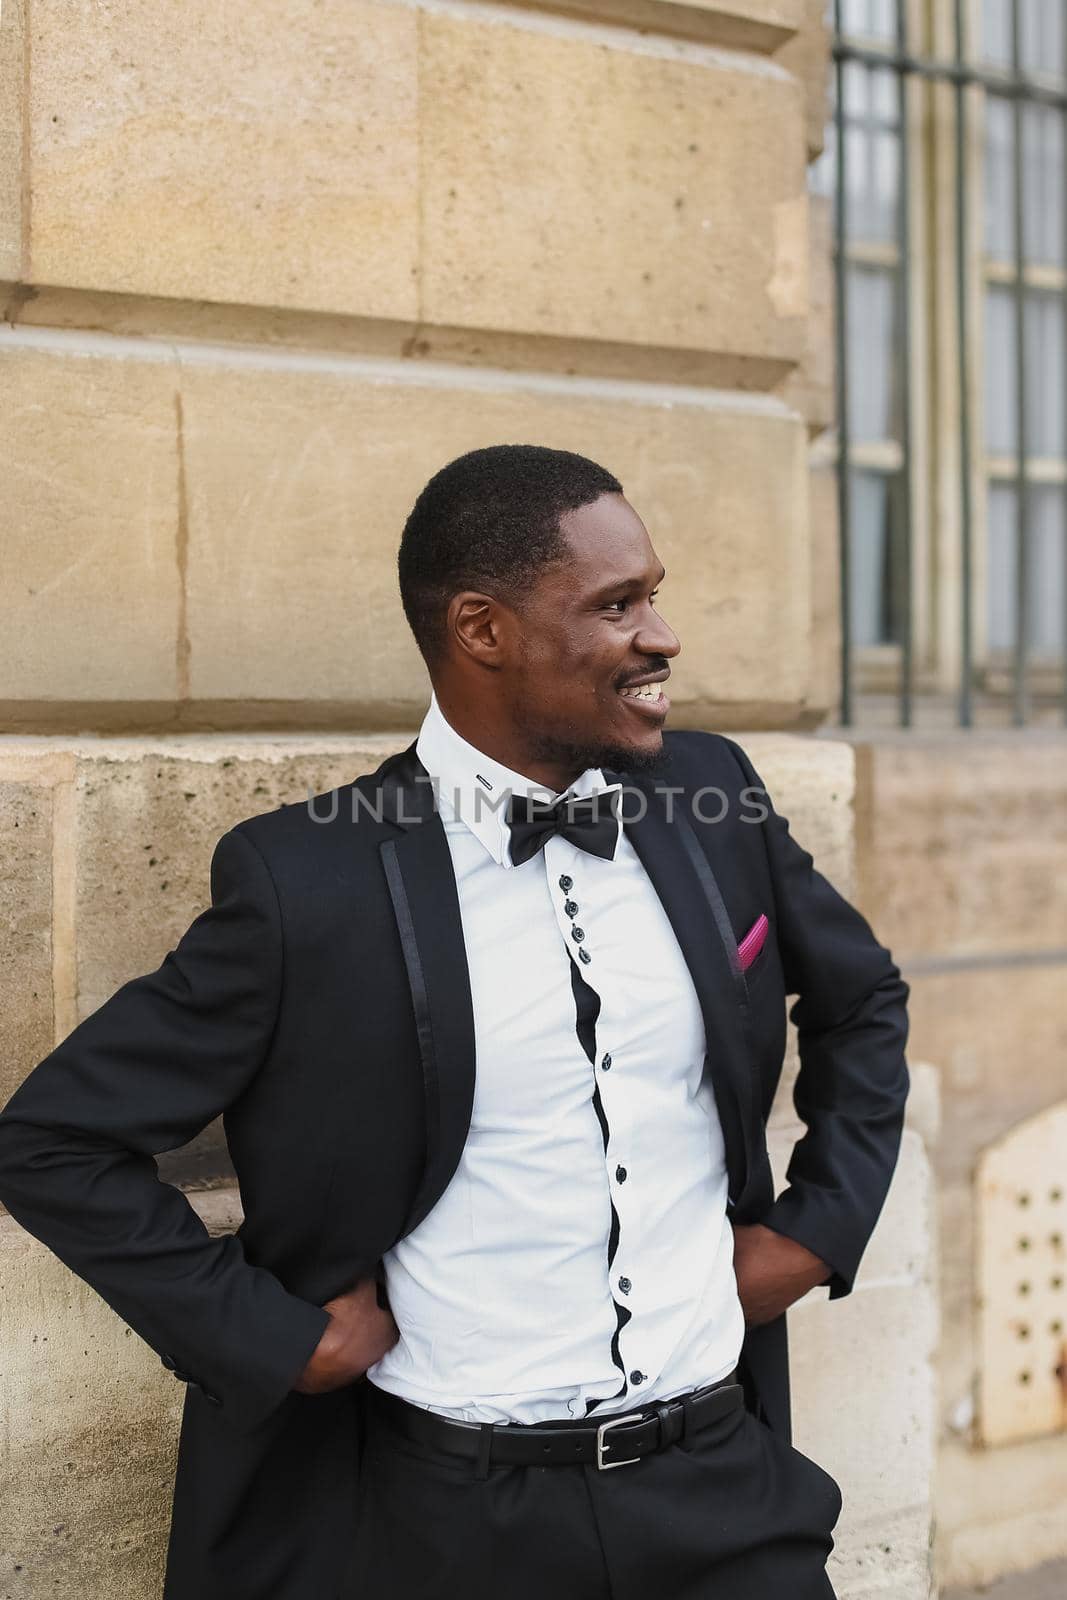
730, 1512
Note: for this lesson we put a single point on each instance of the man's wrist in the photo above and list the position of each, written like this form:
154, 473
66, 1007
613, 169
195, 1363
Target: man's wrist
321, 1359
773, 1271
800, 1256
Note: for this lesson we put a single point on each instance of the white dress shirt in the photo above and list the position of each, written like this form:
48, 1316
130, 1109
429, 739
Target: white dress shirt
506, 1295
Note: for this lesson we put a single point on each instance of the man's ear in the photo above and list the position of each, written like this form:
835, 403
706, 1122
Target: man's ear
474, 624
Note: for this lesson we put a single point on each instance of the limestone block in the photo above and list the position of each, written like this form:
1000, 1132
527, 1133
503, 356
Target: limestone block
135, 840
12, 89
979, 820
809, 387
962, 861
957, 1355
875, 1347
148, 820
1021, 1280
299, 483
752, 24
142, 823
825, 588
148, 815
999, 1035
924, 1101
586, 181
137, 837
226, 531
278, 140
807, 54
147, 823
25, 927
902, 1243
811, 782
89, 608
761, 25
90, 1433
998, 1510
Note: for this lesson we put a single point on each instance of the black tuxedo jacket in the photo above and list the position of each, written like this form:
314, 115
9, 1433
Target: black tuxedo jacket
322, 1004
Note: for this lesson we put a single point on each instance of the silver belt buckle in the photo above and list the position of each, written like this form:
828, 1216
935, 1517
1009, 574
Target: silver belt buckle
614, 1422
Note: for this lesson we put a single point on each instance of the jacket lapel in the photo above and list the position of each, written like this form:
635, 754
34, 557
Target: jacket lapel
422, 886
685, 882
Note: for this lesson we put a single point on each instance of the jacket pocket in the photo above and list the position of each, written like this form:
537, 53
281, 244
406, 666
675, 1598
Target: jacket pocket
752, 944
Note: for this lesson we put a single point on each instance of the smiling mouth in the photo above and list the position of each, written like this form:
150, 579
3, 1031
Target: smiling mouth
649, 700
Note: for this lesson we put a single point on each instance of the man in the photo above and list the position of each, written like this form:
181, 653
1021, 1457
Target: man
495, 1034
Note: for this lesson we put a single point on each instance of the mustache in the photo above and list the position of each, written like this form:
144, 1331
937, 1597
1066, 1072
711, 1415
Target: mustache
650, 668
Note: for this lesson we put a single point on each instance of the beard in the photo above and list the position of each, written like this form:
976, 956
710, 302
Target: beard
575, 755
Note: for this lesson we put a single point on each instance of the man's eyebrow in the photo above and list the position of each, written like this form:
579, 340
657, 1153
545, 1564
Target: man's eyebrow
630, 583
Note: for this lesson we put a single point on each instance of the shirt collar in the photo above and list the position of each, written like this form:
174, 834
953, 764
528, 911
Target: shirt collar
472, 788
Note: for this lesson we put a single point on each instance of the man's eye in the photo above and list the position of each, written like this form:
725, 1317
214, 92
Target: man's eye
611, 603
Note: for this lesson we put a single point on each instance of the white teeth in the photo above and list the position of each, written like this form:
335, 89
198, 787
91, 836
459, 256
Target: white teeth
645, 691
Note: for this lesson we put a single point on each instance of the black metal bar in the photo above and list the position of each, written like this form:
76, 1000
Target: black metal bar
902, 362
1016, 85
1022, 436
966, 712
1063, 379
841, 380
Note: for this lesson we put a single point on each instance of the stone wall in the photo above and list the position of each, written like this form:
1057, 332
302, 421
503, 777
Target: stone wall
979, 820
118, 836
269, 267
263, 270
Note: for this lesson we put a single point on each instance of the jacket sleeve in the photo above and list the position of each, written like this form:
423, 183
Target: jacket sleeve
143, 1074
852, 1027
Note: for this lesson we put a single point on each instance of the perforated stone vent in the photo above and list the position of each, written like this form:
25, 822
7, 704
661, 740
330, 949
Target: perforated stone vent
1021, 1197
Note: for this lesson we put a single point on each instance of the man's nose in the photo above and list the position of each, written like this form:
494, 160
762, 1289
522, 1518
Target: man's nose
657, 639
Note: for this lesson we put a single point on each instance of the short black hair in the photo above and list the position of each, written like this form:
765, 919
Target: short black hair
489, 521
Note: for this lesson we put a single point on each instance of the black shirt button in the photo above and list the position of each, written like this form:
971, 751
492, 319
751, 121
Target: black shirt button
637, 1376
605, 1065
620, 1174
570, 907
583, 955
625, 1285
577, 934
565, 883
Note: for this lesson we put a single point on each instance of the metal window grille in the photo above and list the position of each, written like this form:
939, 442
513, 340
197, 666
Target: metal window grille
1006, 73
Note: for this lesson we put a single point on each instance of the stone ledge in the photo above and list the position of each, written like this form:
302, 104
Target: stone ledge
139, 819
230, 465
218, 120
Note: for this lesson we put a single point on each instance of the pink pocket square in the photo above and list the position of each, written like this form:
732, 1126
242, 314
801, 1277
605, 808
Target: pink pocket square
751, 945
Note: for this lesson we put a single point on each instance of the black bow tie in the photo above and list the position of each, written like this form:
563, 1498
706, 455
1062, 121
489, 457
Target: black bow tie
590, 823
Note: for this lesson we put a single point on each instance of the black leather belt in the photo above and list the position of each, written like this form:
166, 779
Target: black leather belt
615, 1441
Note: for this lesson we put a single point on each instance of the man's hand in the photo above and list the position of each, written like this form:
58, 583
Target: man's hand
772, 1272
357, 1335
